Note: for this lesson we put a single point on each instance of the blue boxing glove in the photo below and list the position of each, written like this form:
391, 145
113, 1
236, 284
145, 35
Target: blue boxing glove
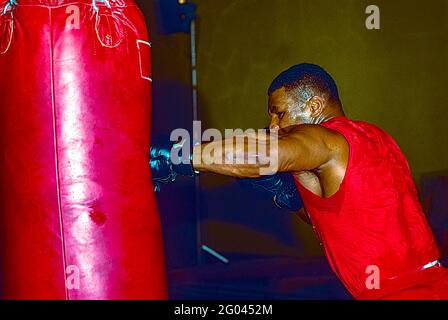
281, 186
168, 162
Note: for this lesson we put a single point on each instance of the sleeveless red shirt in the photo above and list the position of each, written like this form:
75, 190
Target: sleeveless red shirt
375, 218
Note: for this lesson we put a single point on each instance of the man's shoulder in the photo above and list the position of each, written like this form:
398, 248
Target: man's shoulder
359, 128
333, 140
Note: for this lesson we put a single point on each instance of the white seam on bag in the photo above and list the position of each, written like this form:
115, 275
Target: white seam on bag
140, 58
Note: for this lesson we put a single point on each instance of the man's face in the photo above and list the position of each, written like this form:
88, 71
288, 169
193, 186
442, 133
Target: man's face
286, 111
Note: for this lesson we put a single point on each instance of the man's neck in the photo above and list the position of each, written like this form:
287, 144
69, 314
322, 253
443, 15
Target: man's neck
330, 113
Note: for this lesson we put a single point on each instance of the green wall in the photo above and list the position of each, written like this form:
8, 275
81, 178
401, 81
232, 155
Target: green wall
394, 77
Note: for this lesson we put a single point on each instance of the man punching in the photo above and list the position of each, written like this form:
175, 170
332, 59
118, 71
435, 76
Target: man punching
280, 187
355, 184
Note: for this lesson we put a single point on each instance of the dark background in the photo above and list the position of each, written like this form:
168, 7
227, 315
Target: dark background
393, 77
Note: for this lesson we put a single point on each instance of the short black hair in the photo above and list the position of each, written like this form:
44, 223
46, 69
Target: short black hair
306, 80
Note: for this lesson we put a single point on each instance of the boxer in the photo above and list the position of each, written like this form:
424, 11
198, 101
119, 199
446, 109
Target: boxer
356, 185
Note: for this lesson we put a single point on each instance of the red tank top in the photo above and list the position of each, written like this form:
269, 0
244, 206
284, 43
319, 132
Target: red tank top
375, 218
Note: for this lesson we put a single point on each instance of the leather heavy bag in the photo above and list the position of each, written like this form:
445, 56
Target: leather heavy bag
79, 218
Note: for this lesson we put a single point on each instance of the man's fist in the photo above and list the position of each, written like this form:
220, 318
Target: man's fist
282, 188
167, 162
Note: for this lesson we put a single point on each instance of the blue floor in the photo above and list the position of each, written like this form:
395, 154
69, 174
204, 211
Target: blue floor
258, 279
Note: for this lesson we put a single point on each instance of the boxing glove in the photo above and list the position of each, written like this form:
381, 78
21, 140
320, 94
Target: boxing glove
282, 188
167, 163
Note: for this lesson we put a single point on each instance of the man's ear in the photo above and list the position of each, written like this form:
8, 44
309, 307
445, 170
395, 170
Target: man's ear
316, 105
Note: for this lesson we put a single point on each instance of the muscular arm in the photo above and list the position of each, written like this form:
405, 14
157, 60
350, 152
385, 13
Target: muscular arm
299, 148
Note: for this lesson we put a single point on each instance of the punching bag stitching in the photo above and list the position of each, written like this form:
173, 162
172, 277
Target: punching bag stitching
10, 5
11, 32
9, 10
72, 3
98, 20
142, 75
56, 156
95, 7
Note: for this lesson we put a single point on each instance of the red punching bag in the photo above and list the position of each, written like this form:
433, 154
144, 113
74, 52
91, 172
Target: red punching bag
79, 219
